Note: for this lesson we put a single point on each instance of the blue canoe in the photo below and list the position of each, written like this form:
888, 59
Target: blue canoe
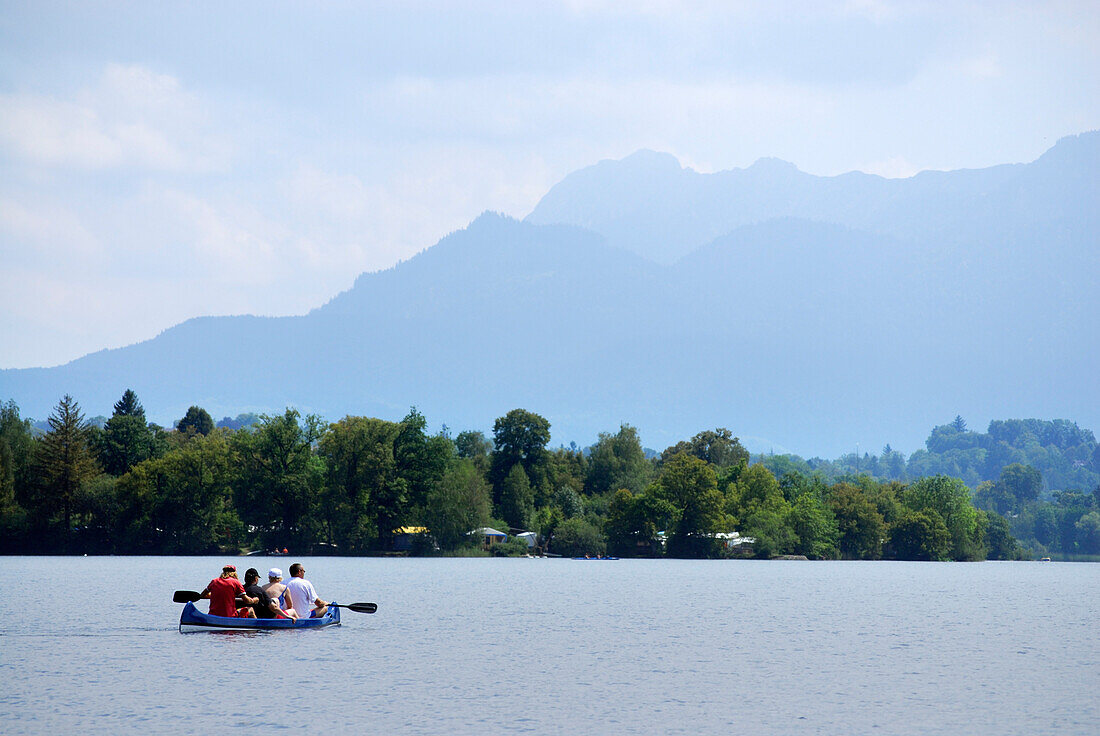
192, 619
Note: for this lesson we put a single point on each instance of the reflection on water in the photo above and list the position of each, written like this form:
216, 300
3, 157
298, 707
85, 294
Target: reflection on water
556, 646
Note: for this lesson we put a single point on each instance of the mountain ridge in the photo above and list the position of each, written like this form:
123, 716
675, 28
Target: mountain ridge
807, 333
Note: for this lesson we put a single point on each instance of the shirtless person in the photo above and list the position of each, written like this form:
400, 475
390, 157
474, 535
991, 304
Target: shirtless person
301, 595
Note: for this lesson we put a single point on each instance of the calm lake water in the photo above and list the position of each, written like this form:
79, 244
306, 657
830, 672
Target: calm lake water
559, 646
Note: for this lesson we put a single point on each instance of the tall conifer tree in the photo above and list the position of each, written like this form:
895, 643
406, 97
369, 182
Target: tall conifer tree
63, 463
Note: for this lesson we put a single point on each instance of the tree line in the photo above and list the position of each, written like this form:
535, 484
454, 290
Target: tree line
1066, 456
1037, 474
294, 481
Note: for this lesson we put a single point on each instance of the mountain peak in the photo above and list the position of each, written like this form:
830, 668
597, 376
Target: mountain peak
647, 159
1082, 148
490, 219
771, 165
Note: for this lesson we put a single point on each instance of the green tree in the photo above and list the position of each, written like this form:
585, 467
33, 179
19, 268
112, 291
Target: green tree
181, 503
633, 523
769, 523
519, 437
860, 526
459, 502
1088, 533
196, 421
576, 538
691, 487
814, 526
1022, 483
757, 500
472, 444
16, 450
718, 447
617, 461
126, 439
920, 535
278, 491
96, 505
1000, 543
63, 462
992, 496
569, 501
517, 500
1046, 526
950, 499
364, 497
892, 463
129, 406
566, 467
419, 459
753, 488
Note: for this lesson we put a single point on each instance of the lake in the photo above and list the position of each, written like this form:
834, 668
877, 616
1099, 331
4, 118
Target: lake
561, 646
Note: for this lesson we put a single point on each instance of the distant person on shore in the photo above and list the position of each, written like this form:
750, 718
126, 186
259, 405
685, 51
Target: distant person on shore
301, 596
224, 591
275, 590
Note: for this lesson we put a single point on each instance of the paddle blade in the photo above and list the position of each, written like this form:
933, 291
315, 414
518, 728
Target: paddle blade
185, 596
362, 607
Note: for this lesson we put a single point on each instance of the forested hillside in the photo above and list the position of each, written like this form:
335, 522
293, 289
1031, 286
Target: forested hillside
1066, 456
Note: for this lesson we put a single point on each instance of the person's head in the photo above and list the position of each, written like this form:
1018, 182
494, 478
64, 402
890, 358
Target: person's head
296, 570
274, 574
229, 571
251, 575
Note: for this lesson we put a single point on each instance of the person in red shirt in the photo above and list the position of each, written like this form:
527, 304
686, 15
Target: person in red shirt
224, 592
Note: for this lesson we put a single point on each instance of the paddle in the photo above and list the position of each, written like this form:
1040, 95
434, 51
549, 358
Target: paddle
357, 607
190, 596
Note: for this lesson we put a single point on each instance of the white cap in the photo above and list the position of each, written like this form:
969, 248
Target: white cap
274, 573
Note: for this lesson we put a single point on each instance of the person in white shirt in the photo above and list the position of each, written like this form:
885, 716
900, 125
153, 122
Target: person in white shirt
300, 594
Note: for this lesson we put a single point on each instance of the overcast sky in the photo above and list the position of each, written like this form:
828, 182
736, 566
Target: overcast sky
163, 161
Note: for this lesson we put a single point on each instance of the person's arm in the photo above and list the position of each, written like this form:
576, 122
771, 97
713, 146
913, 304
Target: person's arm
279, 611
205, 592
317, 602
288, 602
243, 598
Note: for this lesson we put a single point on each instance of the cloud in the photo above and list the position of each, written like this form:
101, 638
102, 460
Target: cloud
512, 108
132, 117
50, 233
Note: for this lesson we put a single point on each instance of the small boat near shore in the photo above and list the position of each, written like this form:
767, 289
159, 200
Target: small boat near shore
192, 619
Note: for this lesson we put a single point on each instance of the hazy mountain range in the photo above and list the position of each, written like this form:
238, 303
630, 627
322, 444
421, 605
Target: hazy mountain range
806, 313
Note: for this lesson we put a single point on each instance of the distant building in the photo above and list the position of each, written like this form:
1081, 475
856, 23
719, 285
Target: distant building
736, 543
490, 536
403, 537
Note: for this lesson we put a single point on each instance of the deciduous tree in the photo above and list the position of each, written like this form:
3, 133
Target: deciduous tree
280, 479
617, 461
518, 437
458, 503
690, 486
